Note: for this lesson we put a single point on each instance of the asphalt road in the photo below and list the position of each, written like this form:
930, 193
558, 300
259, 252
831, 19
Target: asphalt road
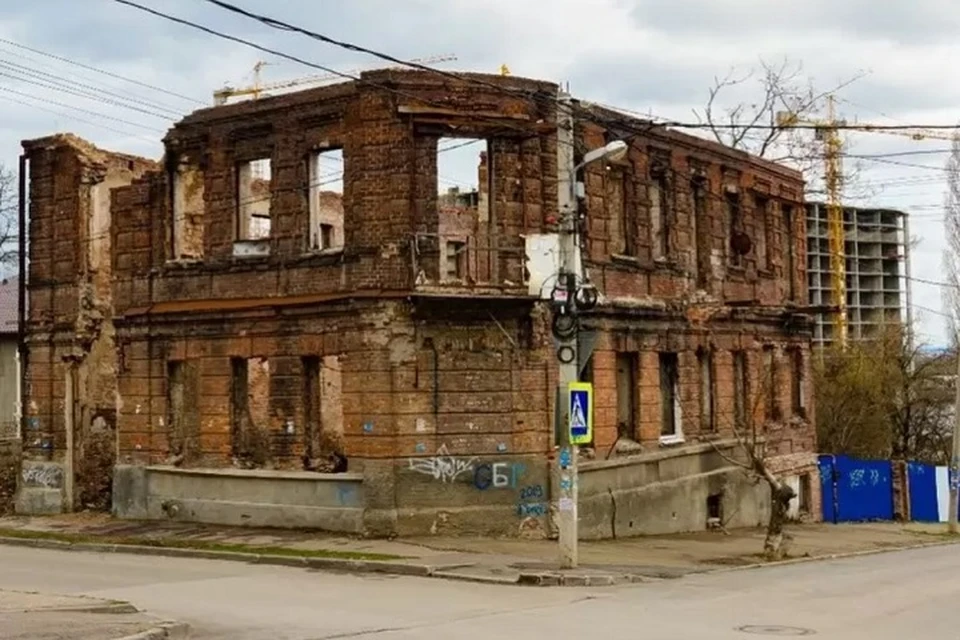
894, 595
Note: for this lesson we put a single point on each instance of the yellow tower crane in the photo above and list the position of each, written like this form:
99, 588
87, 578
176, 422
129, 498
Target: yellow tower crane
221, 96
828, 132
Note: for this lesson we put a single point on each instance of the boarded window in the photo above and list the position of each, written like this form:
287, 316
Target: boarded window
188, 208
253, 199
326, 199
707, 391
627, 366
740, 389
670, 396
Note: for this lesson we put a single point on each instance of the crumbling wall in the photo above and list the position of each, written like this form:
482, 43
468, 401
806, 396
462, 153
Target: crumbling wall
72, 366
699, 254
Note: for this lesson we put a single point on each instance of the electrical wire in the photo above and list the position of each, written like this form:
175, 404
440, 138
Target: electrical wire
80, 109
72, 117
110, 74
60, 80
83, 94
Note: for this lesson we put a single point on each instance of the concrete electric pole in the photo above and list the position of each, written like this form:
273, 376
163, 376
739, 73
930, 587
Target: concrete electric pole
573, 405
567, 458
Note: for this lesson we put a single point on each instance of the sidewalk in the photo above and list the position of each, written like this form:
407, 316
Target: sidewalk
507, 561
25, 616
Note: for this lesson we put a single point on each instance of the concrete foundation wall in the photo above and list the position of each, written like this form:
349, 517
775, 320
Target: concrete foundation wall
41, 488
332, 502
667, 492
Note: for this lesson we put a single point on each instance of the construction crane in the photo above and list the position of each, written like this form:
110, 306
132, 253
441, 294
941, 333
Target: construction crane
828, 132
221, 96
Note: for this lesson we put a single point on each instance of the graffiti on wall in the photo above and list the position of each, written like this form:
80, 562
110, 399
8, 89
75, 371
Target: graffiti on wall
442, 466
45, 476
498, 475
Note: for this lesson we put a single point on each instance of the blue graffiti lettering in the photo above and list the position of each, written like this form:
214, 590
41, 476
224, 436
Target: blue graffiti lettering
534, 509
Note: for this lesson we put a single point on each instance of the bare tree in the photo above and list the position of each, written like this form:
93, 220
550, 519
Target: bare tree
9, 233
742, 112
951, 255
756, 439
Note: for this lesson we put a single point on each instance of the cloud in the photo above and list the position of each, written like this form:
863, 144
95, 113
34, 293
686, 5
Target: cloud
658, 55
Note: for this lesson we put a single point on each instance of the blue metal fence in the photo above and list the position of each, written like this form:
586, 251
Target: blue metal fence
856, 490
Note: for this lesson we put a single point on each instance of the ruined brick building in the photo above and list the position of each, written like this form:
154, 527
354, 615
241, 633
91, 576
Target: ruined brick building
224, 336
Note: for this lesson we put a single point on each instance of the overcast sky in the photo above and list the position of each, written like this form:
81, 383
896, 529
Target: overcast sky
656, 56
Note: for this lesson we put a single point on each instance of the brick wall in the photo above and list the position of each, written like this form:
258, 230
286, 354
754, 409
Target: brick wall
70, 319
428, 372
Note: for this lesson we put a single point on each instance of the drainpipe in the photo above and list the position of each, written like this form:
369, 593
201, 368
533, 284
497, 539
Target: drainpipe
22, 293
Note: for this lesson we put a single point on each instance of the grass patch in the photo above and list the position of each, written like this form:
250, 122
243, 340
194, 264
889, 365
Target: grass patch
201, 545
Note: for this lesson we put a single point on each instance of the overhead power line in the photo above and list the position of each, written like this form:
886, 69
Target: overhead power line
80, 109
63, 114
100, 71
60, 80
82, 93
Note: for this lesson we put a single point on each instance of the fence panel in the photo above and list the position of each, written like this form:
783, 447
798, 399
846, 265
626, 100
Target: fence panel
922, 480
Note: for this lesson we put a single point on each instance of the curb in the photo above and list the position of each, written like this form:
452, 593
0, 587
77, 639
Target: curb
832, 556
446, 572
331, 564
163, 631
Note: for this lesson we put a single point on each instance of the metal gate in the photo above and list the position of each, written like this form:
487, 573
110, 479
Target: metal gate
860, 489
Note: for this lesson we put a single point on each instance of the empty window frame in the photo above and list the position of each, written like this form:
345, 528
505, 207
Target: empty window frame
805, 492
789, 240
627, 366
621, 225
464, 182
183, 412
188, 208
327, 170
797, 401
740, 389
761, 206
699, 191
736, 241
705, 363
670, 411
253, 199
769, 377
249, 408
658, 196
454, 259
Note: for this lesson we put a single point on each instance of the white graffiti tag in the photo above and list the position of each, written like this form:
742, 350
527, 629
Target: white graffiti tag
443, 466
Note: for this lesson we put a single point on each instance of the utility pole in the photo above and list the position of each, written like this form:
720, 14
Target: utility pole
954, 473
567, 458
574, 405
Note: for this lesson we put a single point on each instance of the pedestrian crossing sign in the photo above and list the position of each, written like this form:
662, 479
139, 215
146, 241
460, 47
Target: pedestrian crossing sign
580, 416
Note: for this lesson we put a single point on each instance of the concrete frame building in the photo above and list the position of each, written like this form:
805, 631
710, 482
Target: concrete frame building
212, 339
877, 247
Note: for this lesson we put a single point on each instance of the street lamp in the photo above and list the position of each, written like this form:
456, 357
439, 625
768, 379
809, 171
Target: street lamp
569, 363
